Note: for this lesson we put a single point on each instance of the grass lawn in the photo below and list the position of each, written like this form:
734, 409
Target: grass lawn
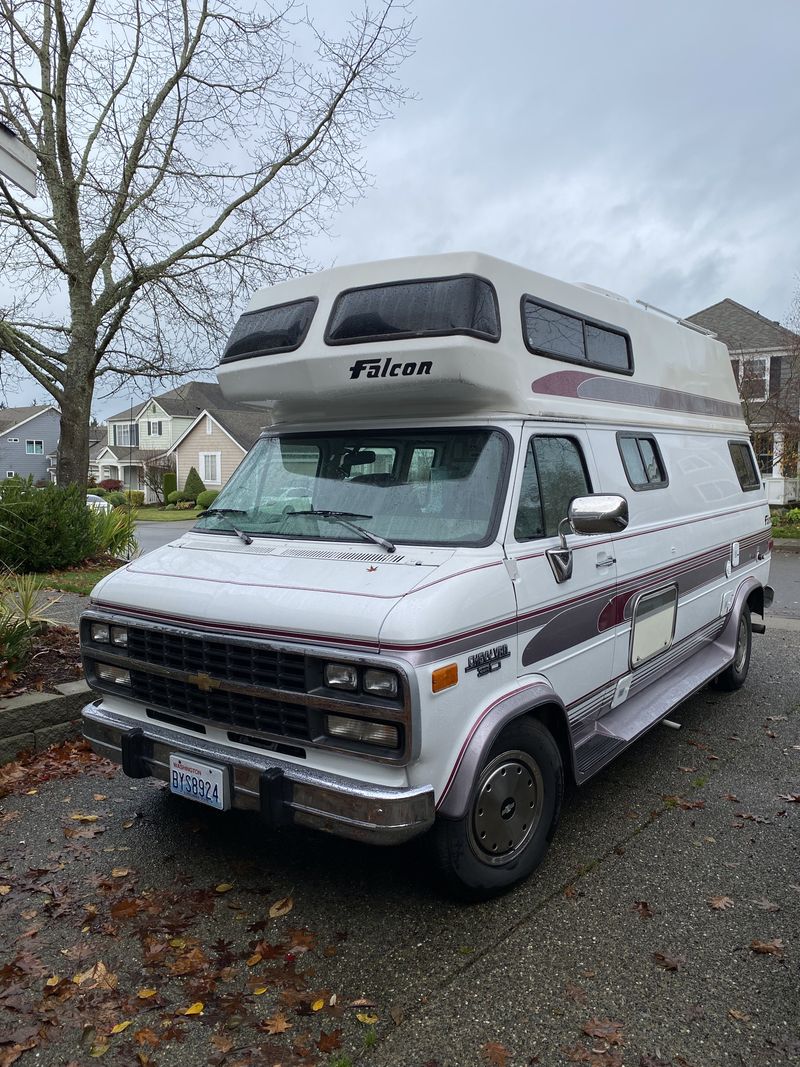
786, 530
155, 515
79, 580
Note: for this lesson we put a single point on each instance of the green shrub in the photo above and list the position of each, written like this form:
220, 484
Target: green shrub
114, 532
793, 515
135, 497
15, 645
185, 505
44, 529
207, 498
116, 499
169, 483
194, 485
98, 491
169, 507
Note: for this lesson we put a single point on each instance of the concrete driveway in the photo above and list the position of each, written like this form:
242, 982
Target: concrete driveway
152, 535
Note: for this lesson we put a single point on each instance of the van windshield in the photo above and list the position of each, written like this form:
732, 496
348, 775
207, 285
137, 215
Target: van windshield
436, 487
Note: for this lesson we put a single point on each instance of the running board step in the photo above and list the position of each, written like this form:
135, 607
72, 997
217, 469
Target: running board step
620, 727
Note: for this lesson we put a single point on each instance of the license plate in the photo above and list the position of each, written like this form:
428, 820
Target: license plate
198, 781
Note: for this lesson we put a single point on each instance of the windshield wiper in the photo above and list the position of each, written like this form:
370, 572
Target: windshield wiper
224, 512
342, 518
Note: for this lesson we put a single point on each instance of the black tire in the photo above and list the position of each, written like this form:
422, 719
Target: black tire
473, 855
735, 674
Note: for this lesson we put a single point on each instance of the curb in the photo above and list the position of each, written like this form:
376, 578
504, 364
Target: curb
36, 720
786, 544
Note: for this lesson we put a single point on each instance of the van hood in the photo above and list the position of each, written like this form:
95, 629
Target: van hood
319, 592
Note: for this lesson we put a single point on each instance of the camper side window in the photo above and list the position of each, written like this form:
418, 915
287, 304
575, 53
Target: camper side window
553, 475
641, 458
552, 331
744, 465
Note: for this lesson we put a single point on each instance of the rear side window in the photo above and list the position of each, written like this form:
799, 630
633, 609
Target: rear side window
281, 328
641, 458
744, 465
425, 308
553, 475
551, 331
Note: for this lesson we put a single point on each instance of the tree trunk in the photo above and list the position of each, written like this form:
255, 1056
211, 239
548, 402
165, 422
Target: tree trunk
73, 452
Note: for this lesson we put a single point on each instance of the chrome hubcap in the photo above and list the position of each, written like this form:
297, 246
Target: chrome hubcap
741, 644
507, 807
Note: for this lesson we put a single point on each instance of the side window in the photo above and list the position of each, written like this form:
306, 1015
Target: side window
554, 473
744, 466
641, 458
549, 331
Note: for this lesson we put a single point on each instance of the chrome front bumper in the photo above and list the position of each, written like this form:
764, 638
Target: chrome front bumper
284, 793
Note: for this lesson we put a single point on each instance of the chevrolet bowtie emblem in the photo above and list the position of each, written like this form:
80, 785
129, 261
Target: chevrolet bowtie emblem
203, 681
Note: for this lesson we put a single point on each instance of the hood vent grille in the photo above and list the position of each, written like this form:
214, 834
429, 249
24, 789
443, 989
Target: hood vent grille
355, 557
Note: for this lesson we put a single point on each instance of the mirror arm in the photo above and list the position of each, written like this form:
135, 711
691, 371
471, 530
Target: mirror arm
560, 559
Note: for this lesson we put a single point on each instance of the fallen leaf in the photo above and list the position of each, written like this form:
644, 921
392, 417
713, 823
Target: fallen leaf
100, 796
720, 903
281, 907
120, 872
259, 991
643, 908
193, 1009
791, 798
367, 1020
575, 993
740, 1016
146, 1036
669, 963
329, 1042
766, 905
605, 1029
84, 818
53, 981
495, 1053
224, 887
221, 1042
318, 1005
97, 1051
96, 977
276, 1024
120, 1027
4, 890
730, 796
145, 994
254, 959
767, 948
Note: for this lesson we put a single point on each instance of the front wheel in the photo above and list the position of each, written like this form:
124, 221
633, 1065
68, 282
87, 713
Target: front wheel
512, 815
735, 674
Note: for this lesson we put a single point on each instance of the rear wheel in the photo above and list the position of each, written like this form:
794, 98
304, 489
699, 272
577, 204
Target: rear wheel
512, 815
735, 674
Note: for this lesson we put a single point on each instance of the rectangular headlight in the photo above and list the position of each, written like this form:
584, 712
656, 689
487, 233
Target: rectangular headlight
107, 673
370, 733
381, 683
341, 676
99, 632
119, 636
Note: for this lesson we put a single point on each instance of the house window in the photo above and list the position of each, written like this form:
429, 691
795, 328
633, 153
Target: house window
763, 446
155, 427
13, 440
210, 467
126, 434
10, 474
754, 378
34, 448
209, 424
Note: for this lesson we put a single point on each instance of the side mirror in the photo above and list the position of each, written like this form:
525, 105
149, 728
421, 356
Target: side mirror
596, 514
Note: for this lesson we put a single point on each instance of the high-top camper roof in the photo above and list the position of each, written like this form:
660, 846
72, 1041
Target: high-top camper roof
468, 334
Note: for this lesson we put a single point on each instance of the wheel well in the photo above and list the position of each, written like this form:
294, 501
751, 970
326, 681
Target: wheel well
553, 717
755, 601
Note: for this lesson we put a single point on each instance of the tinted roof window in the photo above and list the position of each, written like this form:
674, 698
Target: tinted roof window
554, 332
607, 348
463, 305
550, 331
274, 329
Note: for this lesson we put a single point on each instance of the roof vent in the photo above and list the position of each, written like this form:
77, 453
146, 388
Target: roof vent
603, 292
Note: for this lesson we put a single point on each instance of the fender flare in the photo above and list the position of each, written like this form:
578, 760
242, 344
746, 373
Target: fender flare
727, 639
457, 793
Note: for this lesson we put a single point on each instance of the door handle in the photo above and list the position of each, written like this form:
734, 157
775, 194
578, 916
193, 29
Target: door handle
606, 562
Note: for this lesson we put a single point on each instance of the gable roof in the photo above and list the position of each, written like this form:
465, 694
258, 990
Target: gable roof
742, 329
10, 418
184, 401
242, 425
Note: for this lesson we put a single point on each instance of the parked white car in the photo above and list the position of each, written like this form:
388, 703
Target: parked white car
97, 503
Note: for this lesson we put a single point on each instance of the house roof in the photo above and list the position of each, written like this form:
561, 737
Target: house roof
243, 425
185, 400
11, 417
742, 329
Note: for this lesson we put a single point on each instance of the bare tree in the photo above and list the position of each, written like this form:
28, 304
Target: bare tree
154, 466
185, 149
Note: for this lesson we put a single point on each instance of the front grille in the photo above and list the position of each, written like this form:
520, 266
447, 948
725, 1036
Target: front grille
266, 667
246, 713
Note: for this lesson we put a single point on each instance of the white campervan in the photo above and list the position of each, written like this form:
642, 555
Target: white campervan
499, 527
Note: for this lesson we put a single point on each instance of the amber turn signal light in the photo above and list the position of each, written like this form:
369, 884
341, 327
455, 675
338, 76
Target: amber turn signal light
444, 677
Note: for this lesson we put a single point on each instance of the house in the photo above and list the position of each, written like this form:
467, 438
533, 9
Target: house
765, 358
29, 441
145, 434
216, 442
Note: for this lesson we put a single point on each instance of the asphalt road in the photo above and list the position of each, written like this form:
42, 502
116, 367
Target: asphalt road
152, 535
784, 577
172, 897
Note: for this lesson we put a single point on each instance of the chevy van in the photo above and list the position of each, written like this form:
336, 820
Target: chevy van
498, 527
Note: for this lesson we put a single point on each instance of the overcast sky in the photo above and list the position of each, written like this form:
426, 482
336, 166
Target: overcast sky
649, 148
